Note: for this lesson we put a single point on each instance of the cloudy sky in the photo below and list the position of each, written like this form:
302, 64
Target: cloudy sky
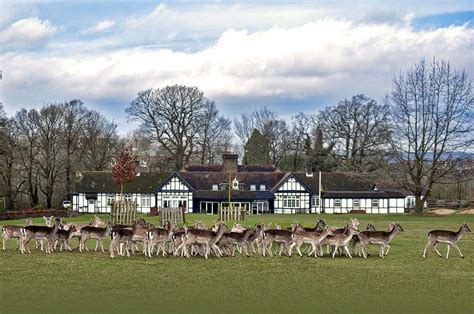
285, 55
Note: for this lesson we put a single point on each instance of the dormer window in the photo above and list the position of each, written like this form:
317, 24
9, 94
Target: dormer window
235, 184
253, 187
215, 187
262, 187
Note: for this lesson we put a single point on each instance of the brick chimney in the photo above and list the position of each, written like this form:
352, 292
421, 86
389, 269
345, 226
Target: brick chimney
230, 162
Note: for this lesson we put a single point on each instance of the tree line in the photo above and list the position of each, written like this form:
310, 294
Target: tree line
416, 137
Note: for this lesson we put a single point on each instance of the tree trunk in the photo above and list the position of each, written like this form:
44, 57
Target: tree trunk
419, 204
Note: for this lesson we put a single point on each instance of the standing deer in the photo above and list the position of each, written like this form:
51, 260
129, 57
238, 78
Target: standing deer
159, 236
207, 238
342, 240
62, 237
14, 232
312, 238
96, 233
40, 233
451, 238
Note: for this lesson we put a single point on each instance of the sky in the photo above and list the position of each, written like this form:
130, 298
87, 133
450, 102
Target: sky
290, 56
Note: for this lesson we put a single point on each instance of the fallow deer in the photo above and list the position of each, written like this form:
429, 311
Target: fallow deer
451, 238
159, 236
96, 233
14, 232
312, 238
40, 233
283, 237
380, 238
342, 240
207, 238
62, 238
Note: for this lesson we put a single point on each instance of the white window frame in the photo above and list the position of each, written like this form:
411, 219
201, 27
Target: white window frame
128, 196
253, 187
110, 198
146, 200
291, 201
215, 187
336, 202
263, 187
376, 202
354, 203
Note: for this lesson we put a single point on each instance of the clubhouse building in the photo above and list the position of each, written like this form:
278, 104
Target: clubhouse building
259, 189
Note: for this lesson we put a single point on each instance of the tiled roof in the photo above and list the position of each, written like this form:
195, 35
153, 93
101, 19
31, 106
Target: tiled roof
102, 182
362, 194
335, 181
235, 195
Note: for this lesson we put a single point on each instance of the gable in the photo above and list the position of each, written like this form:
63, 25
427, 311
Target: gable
174, 183
290, 184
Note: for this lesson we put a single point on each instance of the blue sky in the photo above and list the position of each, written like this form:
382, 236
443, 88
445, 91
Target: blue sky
288, 56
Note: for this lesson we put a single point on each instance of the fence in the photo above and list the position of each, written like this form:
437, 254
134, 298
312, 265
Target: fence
232, 213
31, 213
433, 203
176, 215
123, 212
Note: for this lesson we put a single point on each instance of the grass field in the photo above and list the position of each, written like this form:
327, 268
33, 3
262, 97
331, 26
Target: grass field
402, 282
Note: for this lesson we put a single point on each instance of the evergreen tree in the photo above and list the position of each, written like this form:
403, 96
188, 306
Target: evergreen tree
256, 149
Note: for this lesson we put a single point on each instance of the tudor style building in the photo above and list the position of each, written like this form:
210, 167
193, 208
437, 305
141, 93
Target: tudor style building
259, 189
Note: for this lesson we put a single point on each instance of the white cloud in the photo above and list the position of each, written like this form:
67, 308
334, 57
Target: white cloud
328, 59
29, 30
100, 27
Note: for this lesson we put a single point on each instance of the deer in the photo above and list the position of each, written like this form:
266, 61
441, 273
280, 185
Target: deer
207, 238
312, 238
40, 233
276, 235
96, 233
451, 238
95, 222
62, 237
14, 232
380, 238
356, 239
342, 240
159, 236
239, 239
120, 235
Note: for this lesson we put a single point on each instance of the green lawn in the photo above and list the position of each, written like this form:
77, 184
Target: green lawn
402, 282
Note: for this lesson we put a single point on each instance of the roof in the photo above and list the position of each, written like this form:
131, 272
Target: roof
220, 168
393, 186
102, 182
235, 195
362, 194
334, 181
205, 180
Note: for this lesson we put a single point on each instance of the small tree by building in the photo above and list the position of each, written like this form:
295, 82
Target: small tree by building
124, 170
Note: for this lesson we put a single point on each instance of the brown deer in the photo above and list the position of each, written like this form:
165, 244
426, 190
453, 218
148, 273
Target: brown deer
14, 232
451, 238
380, 238
207, 238
40, 233
62, 238
96, 233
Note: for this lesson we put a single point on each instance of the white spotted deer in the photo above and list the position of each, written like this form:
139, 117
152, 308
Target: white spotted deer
342, 240
159, 237
450, 238
207, 238
312, 238
282, 237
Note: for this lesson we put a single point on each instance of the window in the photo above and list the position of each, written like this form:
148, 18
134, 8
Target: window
145, 200
127, 197
375, 203
253, 187
110, 198
356, 203
291, 201
337, 202
214, 187
315, 201
262, 187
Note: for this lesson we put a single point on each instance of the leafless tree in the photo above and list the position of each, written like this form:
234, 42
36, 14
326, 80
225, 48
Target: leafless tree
302, 126
169, 116
75, 116
356, 128
214, 133
431, 113
28, 149
98, 142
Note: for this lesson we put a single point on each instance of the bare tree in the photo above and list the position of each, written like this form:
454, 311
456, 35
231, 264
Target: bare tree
431, 113
75, 115
214, 135
356, 128
169, 116
28, 148
98, 142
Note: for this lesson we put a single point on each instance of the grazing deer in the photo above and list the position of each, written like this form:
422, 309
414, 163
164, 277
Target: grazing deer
451, 238
14, 232
207, 238
380, 238
342, 240
312, 238
40, 233
159, 236
96, 233
62, 237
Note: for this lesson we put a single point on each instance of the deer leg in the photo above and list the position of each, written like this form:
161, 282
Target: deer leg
447, 253
334, 250
436, 250
101, 246
5, 243
347, 251
388, 248
459, 250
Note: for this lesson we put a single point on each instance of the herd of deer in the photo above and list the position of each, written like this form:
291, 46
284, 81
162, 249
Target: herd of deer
219, 240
